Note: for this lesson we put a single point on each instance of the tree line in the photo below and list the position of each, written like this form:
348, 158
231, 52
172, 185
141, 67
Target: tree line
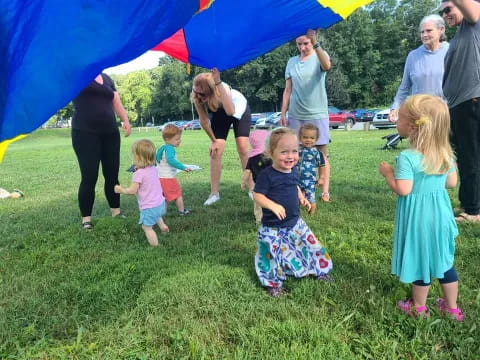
368, 52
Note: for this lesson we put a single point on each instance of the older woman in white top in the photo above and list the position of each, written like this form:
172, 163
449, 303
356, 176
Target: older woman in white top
423, 72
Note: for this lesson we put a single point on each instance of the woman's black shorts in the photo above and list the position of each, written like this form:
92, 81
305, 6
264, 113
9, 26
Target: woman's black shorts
221, 123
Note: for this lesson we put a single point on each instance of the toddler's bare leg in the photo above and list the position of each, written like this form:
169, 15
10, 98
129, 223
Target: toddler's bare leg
450, 292
151, 235
419, 295
161, 224
179, 203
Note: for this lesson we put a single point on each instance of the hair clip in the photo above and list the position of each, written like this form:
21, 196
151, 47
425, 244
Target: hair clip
422, 121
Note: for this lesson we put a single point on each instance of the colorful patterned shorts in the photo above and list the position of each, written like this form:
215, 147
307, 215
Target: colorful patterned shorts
289, 251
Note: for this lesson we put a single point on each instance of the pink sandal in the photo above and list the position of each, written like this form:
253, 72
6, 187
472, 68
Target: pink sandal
455, 314
406, 307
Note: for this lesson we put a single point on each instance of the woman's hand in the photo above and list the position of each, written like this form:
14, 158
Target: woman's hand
216, 75
215, 148
126, 128
393, 115
385, 169
312, 35
283, 120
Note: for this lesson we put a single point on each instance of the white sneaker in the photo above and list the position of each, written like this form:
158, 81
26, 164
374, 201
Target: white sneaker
212, 199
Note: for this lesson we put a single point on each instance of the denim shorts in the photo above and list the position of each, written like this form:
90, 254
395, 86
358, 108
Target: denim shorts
149, 217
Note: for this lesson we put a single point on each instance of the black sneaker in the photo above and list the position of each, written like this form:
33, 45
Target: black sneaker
185, 212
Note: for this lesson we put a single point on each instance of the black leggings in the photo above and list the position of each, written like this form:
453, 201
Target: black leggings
448, 277
91, 150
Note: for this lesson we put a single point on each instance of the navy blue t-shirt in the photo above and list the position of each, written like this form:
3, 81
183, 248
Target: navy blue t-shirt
281, 188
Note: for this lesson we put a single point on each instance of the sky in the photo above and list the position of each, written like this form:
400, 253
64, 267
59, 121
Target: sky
146, 61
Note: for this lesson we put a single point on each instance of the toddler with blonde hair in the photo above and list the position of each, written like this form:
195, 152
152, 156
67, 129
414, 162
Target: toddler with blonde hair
147, 188
425, 228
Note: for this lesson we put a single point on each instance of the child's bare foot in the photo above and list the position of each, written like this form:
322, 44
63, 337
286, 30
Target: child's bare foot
325, 197
164, 228
153, 242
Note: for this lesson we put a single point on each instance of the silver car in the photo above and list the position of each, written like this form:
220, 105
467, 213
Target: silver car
380, 120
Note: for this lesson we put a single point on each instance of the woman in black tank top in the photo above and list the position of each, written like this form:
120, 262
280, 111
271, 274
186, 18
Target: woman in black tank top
96, 139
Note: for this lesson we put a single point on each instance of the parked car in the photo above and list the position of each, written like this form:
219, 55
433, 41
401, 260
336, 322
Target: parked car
380, 121
160, 127
274, 119
339, 117
193, 125
255, 117
268, 122
358, 113
367, 115
180, 123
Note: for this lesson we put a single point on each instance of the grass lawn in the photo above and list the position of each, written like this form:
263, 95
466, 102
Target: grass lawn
105, 294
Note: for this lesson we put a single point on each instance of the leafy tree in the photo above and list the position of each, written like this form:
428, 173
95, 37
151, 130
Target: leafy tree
136, 91
66, 112
171, 94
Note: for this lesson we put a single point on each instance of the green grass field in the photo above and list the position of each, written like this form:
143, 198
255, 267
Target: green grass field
105, 294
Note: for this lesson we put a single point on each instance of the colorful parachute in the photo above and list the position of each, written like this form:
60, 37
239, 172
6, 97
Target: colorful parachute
230, 33
54, 48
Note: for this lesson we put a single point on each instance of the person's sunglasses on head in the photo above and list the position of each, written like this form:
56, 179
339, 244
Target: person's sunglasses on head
446, 10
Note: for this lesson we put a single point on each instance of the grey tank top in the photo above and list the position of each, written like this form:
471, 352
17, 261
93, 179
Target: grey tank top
461, 80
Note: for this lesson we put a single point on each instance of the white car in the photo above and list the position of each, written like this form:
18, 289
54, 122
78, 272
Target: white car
269, 122
380, 120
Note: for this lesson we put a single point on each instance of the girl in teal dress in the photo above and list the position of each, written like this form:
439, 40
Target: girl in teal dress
425, 228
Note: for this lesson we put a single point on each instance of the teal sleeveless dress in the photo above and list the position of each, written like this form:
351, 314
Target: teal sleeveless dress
425, 228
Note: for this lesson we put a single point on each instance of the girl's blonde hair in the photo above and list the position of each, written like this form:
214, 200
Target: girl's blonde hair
143, 152
274, 138
205, 83
429, 122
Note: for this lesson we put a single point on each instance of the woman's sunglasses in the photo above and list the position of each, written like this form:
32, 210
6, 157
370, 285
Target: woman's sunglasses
201, 94
445, 10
